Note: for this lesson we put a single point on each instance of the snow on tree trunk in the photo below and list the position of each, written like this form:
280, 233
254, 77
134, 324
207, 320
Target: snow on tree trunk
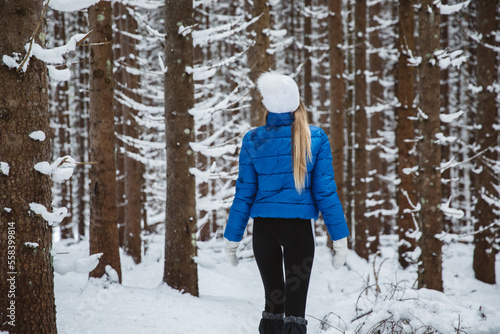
405, 134
349, 115
377, 168
429, 149
27, 276
103, 222
180, 270
446, 153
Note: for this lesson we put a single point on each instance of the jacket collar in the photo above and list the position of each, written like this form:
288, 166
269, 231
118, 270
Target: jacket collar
281, 119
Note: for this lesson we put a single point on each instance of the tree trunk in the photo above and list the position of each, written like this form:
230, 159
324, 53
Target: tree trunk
446, 153
81, 138
378, 192
26, 272
487, 139
134, 170
349, 114
103, 224
61, 113
429, 182
405, 134
337, 91
259, 61
180, 270
323, 68
361, 128
119, 78
307, 93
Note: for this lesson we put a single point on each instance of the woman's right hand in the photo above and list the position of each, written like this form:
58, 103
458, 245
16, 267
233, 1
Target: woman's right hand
230, 249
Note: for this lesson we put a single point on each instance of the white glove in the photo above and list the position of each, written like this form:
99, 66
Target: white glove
231, 247
340, 256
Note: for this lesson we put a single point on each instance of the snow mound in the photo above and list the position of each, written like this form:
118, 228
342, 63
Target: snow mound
406, 310
80, 266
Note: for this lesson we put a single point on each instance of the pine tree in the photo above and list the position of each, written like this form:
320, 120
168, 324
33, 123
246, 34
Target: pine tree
134, 169
429, 149
405, 133
377, 190
349, 114
180, 270
307, 91
259, 61
361, 129
487, 139
26, 272
80, 126
103, 224
60, 113
119, 77
337, 91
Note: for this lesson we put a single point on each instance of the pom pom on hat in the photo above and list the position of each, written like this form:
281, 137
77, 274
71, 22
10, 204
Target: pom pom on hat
280, 93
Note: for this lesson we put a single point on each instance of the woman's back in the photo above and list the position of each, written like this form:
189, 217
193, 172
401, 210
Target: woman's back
266, 188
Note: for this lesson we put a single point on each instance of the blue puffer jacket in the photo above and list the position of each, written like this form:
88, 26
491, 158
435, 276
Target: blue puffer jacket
265, 186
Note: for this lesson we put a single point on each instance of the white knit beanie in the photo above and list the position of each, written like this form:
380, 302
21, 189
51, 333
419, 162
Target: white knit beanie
280, 93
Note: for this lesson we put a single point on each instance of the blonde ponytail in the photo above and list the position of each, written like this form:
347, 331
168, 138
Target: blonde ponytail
301, 147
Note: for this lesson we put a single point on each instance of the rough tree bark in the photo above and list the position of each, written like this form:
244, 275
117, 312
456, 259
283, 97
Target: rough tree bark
26, 272
486, 138
81, 138
61, 113
405, 133
446, 153
323, 68
429, 150
103, 223
307, 93
119, 77
377, 189
180, 270
337, 91
361, 129
259, 61
134, 170
349, 121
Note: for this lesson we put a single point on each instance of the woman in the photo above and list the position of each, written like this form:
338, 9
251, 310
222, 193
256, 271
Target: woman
285, 176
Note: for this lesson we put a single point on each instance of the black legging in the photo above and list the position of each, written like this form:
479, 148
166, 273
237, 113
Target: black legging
296, 238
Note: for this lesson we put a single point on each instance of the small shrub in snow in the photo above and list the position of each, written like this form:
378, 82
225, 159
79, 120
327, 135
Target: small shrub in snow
401, 309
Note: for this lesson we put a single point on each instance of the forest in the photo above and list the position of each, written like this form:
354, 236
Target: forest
121, 125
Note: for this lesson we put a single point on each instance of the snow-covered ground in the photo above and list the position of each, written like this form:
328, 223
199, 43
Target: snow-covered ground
231, 299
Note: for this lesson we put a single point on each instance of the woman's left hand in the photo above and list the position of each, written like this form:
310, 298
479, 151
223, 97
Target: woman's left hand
340, 256
230, 249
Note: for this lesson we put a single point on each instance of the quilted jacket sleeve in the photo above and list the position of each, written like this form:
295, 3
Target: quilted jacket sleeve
324, 191
246, 188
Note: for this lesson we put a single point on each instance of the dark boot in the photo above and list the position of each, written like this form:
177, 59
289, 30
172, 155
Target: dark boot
294, 325
271, 323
